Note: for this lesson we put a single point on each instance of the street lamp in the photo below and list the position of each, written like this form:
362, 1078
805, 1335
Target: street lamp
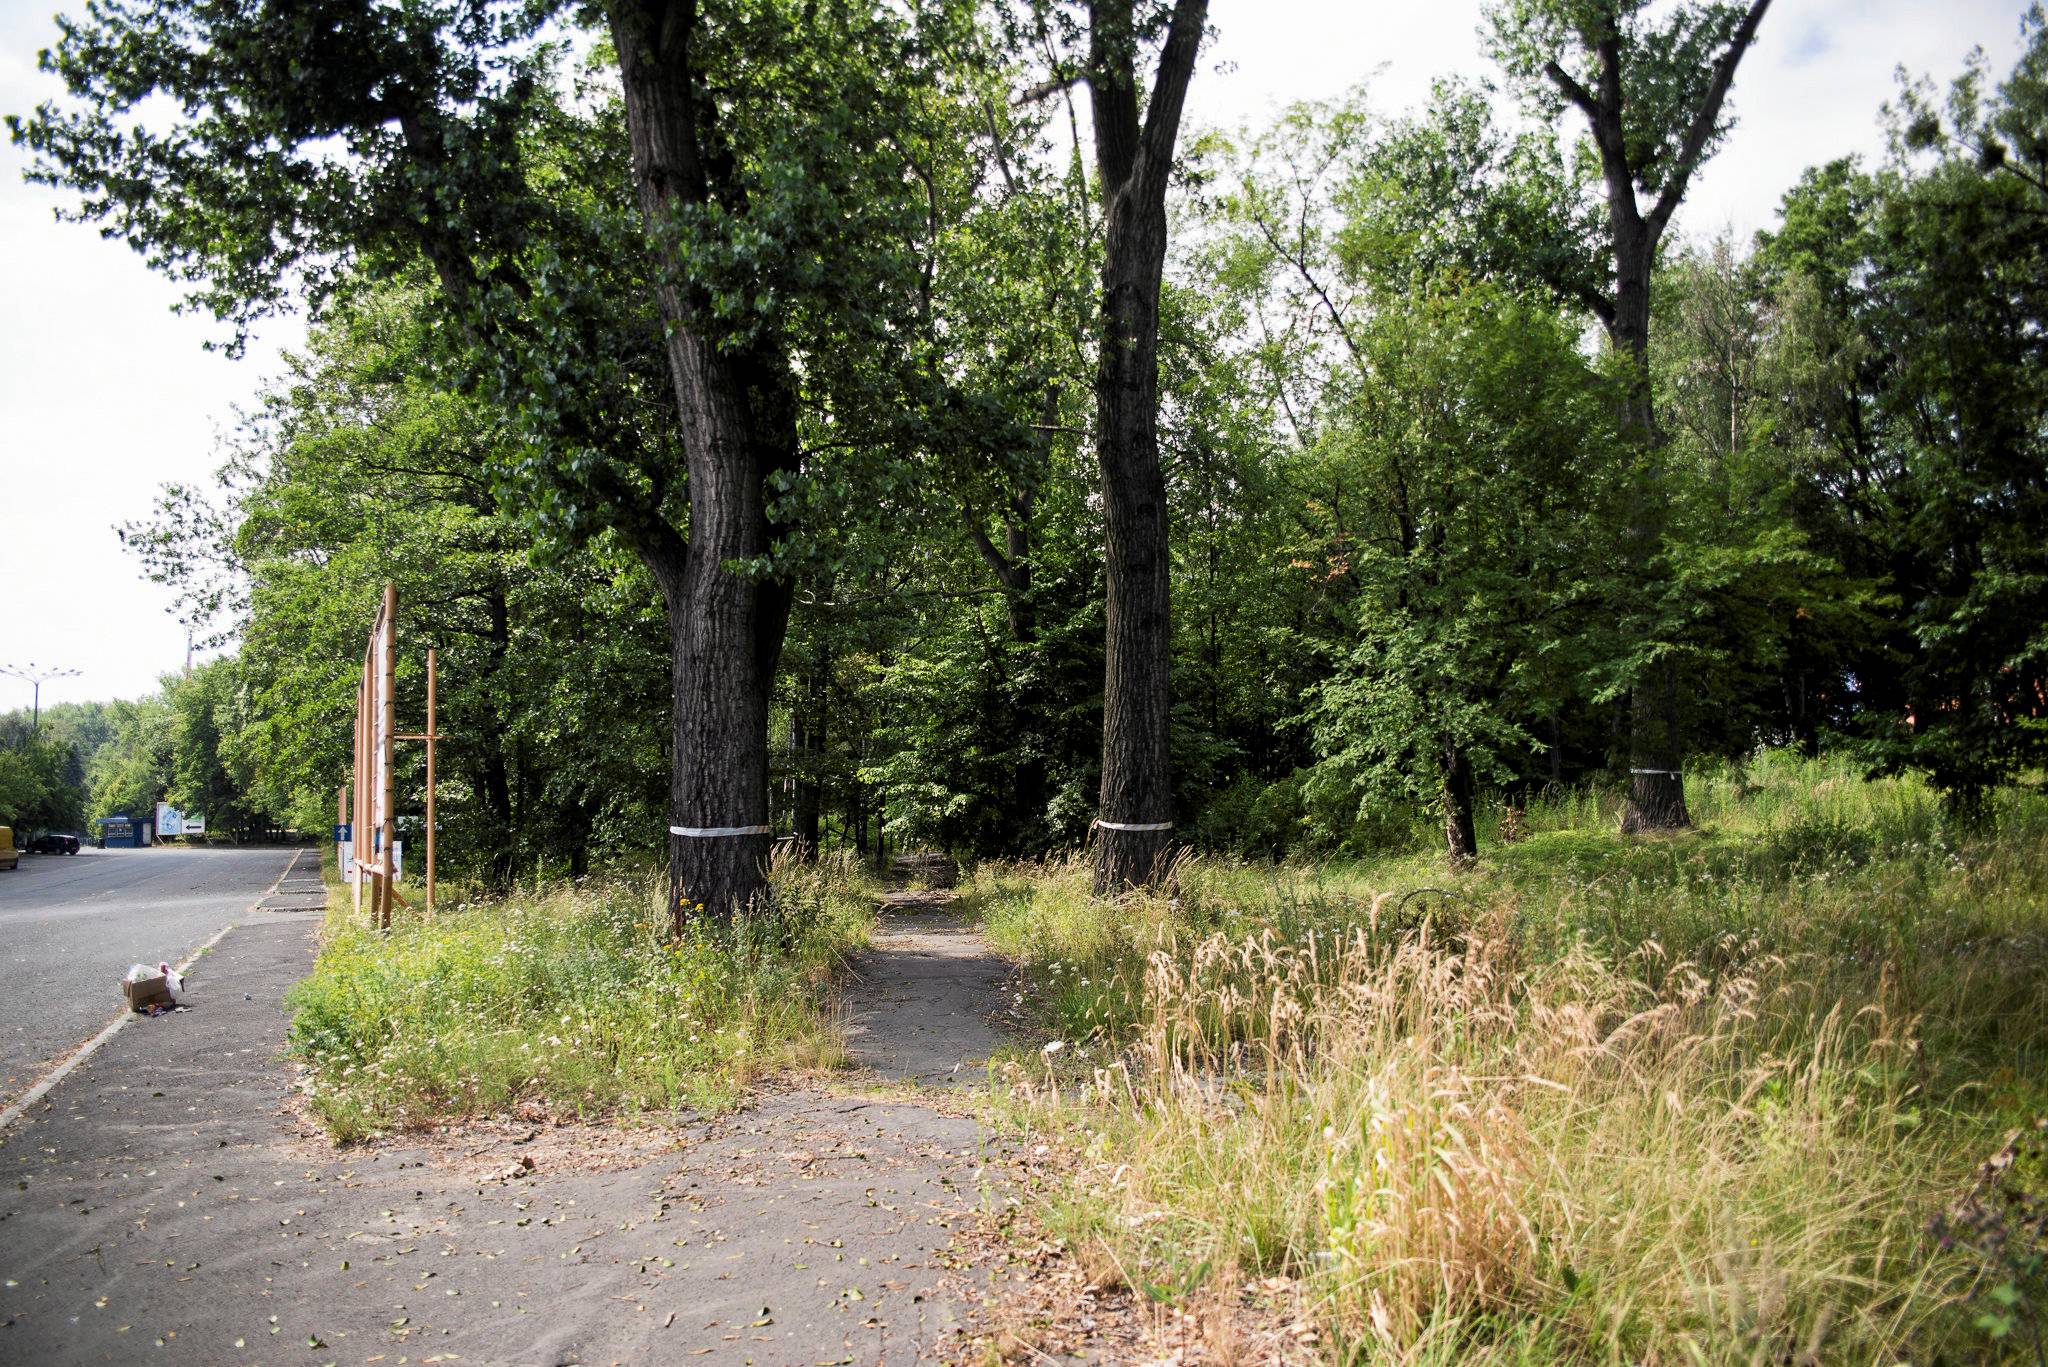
37, 675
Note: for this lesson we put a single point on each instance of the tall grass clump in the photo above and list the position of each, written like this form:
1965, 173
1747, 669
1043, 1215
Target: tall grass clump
1704, 1099
570, 1002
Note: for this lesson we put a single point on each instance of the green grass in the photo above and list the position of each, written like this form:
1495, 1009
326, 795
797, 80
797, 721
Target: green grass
568, 1003
1693, 1098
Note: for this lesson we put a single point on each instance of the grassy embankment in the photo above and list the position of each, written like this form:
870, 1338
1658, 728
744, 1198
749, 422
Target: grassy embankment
569, 1001
1687, 1099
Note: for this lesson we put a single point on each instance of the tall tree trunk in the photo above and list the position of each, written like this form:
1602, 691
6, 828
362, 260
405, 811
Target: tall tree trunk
1656, 790
1134, 158
1461, 836
1656, 798
738, 426
810, 724
494, 781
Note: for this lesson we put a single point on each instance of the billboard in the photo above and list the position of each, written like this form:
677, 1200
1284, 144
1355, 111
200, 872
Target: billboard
169, 820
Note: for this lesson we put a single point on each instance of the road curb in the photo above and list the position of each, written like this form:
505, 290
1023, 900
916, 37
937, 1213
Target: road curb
29, 1098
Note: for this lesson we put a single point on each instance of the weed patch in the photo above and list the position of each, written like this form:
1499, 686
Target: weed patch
569, 1003
1714, 1097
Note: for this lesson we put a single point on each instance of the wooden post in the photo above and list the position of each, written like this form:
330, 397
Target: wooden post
433, 734
356, 803
340, 819
388, 641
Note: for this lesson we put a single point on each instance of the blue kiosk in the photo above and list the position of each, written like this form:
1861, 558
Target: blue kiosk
123, 833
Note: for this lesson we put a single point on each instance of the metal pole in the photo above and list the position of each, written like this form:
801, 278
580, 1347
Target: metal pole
389, 643
433, 734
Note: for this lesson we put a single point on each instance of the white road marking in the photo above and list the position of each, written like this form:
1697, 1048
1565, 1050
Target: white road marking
91, 1046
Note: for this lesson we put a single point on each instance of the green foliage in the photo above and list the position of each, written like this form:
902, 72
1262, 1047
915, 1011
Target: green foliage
1910, 402
40, 786
1407, 542
1469, 575
552, 676
571, 1002
134, 770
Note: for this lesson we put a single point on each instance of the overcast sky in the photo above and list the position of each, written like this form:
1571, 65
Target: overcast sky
105, 393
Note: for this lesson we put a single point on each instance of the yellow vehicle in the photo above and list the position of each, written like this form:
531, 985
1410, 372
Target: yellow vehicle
10, 858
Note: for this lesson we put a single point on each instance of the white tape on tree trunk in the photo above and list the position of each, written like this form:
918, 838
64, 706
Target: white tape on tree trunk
1135, 825
713, 832
1668, 773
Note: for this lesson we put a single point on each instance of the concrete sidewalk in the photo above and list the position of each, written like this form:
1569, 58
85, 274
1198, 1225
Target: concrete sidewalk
164, 1205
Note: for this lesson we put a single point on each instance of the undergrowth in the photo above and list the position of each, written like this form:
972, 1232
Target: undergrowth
1711, 1097
570, 1002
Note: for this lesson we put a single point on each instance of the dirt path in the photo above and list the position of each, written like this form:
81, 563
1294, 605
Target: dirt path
924, 999
167, 1199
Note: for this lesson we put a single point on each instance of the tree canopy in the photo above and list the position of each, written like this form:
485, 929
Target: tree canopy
790, 419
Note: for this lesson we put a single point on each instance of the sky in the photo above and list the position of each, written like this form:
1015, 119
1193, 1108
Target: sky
106, 394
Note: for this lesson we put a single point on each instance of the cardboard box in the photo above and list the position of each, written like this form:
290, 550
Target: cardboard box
152, 991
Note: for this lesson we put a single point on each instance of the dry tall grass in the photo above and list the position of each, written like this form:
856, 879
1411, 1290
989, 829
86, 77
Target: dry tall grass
1517, 1125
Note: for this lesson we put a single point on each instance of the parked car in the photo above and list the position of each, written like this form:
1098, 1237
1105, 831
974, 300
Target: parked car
53, 842
10, 858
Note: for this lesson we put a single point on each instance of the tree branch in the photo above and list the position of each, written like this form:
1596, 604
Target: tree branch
1706, 116
1573, 91
1039, 90
1007, 573
1170, 86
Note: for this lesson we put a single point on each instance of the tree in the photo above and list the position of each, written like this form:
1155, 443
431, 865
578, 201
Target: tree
768, 263
554, 667
41, 784
1907, 385
1651, 82
134, 770
1475, 443
1134, 156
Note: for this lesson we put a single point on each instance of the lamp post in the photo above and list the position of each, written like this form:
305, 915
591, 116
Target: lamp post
37, 676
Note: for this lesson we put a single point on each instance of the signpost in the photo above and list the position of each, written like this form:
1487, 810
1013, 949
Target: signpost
365, 815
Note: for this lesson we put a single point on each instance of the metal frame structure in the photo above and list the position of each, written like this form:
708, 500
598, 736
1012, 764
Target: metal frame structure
376, 732
367, 801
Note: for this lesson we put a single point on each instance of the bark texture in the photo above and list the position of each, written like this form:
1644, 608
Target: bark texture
738, 425
1461, 836
1133, 158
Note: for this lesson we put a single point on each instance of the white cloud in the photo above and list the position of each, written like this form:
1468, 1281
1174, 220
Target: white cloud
1808, 92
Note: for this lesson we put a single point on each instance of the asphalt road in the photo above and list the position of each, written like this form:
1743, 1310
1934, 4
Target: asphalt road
70, 925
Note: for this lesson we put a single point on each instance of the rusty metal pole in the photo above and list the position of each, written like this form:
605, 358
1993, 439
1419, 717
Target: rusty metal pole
388, 643
433, 734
